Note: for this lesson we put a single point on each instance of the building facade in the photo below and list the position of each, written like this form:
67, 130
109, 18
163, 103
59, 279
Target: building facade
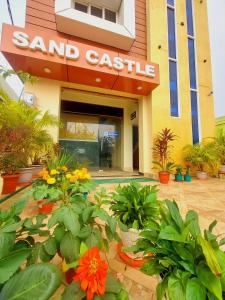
116, 73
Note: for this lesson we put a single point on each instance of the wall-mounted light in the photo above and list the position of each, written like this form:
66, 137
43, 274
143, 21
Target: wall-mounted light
47, 70
205, 60
211, 93
98, 80
160, 47
201, 1
182, 23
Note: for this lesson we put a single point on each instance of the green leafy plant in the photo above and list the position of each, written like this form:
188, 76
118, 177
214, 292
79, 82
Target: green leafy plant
134, 206
201, 156
179, 170
162, 150
17, 248
191, 265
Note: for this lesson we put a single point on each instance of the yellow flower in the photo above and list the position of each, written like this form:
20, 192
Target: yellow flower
68, 176
84, 170
45, 176
76, 172
42, 173
65, 267
54, 172
51, 180
88, 176
64, 169
73, 178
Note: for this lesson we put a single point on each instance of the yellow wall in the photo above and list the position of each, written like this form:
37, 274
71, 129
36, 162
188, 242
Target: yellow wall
158, 35
154, 109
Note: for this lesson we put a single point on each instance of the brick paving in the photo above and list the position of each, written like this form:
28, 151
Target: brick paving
206, 197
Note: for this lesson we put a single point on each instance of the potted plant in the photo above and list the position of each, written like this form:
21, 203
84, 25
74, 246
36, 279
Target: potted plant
219, 143
161, 151
187, 175
134, 206
190, 265
201, 156
178, 175
9, 166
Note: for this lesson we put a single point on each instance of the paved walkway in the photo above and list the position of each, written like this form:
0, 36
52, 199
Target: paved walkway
206, 197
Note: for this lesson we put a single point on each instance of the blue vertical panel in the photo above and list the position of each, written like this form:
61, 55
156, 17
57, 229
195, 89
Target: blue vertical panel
194, 114
189, 12
170, 2
192, 65
173, 89
171, 32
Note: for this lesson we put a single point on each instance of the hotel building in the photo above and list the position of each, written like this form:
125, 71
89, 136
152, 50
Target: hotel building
116, 72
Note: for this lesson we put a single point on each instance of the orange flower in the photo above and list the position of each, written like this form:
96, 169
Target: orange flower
92, 273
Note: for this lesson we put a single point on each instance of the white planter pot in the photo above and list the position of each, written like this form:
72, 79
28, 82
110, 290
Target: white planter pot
129, 239
25, 175
222, 168
202, 175
36, 169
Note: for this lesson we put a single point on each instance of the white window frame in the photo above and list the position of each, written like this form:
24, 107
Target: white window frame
120, 35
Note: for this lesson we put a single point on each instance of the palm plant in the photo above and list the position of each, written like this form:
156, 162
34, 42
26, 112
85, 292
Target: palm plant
201, 155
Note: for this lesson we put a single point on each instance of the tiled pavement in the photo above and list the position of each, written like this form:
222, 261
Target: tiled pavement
206, 197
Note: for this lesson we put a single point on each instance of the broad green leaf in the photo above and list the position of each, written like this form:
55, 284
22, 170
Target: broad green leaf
210, 256
59, 233
171, 234
37, 282
50, 246
73, 292
122, 226
11, 227
101, 213
192, 219
161, 288
123, 295
221, 259
175, 213
212, 225
11, 263
70, 247
175, 289
87, 213
7, 241
109, 296
94, 238
152, 268
112, 285
195, 290
209, 280
85, 232
83, 249
183, 252
71, 221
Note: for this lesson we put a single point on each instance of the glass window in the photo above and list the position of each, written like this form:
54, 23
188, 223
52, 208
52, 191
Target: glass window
194, 114
173, 89
192, 67
81, 7
189, 13
110, 15
97, 12
171, 32
170, 2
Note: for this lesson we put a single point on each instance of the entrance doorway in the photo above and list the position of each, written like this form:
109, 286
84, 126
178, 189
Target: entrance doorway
92, 134
135, 148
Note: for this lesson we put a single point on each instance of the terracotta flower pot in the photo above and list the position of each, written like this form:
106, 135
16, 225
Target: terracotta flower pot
202, 175
25, 176
36, 169
9, 183
129, 239
164, 177
45, 208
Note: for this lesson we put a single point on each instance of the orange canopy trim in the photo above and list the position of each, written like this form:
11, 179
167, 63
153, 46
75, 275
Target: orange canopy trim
54, 57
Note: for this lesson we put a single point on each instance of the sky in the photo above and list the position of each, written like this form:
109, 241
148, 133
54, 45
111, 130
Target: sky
216, 14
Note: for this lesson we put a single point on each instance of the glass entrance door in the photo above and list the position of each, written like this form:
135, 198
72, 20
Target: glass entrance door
93, 140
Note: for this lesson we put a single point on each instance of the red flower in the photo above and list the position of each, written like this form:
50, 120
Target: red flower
92, 273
